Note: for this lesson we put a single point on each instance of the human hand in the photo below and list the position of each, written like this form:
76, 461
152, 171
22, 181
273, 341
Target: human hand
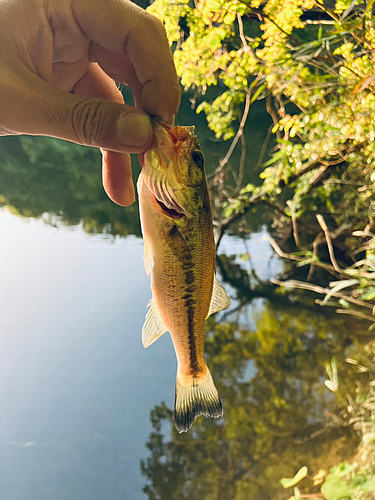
58, 63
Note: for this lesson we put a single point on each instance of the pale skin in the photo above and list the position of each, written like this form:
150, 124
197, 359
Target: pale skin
59, 60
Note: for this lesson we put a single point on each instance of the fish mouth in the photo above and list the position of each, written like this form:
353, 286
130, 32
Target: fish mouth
177, 134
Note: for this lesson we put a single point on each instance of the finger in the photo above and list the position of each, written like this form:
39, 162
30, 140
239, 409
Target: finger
126, 28
119, 68
117, 178
116, 171
40, 109
95, 83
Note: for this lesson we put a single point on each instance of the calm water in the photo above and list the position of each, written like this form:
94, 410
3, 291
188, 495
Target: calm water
76, 385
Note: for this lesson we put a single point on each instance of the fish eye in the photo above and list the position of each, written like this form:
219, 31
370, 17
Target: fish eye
197, 158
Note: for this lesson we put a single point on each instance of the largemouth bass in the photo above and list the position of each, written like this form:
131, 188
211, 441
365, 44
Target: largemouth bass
180, 256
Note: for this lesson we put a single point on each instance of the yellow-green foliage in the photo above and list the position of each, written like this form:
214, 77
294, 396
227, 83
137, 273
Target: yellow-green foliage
325, 143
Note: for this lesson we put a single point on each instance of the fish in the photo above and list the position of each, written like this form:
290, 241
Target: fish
180, 257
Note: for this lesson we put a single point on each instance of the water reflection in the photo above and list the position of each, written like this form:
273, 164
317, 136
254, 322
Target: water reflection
76, 385
276, 410
60, 181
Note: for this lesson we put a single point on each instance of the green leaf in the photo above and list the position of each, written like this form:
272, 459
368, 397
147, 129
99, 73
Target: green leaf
343, 469
339, 285
306, 262
367, 485
369, 294
348, 10
344, 303
258, 92
297, 493
229, 18
369, 5
335, 488
290, 482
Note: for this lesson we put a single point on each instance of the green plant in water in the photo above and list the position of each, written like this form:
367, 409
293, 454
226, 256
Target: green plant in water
343, 481
354, 481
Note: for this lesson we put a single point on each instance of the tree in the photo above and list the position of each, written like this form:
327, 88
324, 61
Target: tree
312, 63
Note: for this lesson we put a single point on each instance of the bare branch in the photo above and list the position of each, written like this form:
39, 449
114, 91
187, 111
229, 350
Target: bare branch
323, 291
242, 164
356, 313
237, 137
256, 199
246, 47
284, 255
323, 225
310, 21
295, 230
264, 148
316, 244
272, 113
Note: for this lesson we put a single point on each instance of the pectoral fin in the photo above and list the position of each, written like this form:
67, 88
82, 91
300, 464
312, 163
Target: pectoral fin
148, 258
153, 327
219, 299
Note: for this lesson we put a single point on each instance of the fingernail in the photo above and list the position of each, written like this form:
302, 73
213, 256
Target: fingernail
134, 129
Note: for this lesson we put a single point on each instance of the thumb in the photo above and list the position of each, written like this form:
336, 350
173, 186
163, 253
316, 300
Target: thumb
32, 106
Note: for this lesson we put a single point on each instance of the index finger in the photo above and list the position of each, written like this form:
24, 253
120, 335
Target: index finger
121, 26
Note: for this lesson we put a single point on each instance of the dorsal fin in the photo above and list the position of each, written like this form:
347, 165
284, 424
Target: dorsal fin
148, 258
153, 327
219, 299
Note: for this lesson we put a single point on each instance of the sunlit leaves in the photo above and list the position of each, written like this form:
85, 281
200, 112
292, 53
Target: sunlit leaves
220, 11
345, 6
325, 153
170, 13
200, 58
222, 112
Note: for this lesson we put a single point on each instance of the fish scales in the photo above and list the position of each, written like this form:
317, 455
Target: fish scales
183, 265
180, 256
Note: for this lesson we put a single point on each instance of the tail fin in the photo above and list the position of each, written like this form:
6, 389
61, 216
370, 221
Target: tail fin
195, 396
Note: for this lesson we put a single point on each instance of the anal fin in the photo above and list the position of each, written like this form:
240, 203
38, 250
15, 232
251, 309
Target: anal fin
153, 327
219, 299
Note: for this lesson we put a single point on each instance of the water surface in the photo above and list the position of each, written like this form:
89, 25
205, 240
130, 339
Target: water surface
77, 387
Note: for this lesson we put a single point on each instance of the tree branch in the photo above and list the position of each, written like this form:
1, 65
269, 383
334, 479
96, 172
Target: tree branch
323, 225
237, 137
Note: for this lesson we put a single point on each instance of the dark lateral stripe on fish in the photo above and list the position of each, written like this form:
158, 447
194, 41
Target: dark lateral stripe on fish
189, 277
190, 305
186, 260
